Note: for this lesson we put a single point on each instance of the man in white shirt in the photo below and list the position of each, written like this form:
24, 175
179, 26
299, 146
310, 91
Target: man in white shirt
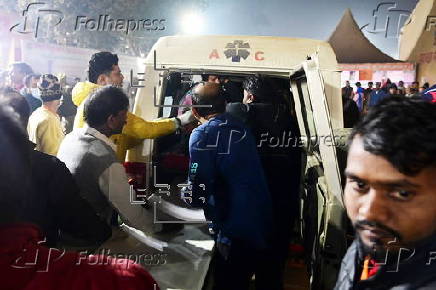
90, 156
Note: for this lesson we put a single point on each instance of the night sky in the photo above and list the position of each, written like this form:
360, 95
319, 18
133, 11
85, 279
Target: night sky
301, 18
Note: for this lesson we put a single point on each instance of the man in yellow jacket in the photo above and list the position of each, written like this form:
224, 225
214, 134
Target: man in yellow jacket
104, 70
44, 127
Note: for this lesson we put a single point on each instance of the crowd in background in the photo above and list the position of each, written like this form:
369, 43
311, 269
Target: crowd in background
357, 101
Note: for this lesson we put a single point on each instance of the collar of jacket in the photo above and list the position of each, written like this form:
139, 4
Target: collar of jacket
417, 265
32, 145
81, 91
94, 132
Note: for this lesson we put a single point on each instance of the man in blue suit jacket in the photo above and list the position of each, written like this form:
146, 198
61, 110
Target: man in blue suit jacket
227, 180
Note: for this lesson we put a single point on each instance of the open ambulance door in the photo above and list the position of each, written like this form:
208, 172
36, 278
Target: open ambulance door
322, 216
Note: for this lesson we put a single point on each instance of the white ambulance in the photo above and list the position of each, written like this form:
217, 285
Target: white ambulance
310, 71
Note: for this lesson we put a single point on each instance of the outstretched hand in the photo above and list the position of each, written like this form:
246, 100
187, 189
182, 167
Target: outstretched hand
186, 118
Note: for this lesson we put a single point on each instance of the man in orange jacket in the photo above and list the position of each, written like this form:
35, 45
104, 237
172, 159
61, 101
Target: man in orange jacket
104, 70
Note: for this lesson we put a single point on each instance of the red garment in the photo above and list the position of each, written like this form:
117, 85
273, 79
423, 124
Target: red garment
370, 268
26, 264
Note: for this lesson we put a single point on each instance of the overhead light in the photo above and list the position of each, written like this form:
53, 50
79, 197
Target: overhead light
192, 23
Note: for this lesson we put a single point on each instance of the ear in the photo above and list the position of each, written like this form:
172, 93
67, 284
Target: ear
250, 98
102, 80
110, 121
195, 113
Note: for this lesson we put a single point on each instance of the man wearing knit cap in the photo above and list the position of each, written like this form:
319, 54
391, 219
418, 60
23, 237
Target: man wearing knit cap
44, 128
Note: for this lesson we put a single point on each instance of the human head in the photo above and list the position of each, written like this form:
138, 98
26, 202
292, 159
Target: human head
104, 70
17, 72
358, 84
401, 84
378, 85
15, 174
106, 110
390, 188
210, 78
415, 85
347, 83
393, 90
257, 89
31, 81
210, 95
50, 91
17, 102
370, 84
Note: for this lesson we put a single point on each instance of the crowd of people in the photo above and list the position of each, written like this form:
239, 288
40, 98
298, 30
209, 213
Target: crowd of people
358, 101
81, 172
60, 188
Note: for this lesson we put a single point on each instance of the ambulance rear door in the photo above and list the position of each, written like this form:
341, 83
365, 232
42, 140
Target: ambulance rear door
322, 213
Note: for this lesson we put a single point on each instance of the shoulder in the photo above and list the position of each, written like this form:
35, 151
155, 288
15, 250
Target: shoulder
38, 114
236, 108
43, 118
348, 265
47, 160
197, 134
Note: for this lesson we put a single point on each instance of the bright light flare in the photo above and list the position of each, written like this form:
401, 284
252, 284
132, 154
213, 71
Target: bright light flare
192, 23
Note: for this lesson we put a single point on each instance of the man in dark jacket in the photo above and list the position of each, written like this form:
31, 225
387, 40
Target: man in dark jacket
56, 206
31, 92
350, 112
390, 198
270, 120
227, 180
393, 91
347, 91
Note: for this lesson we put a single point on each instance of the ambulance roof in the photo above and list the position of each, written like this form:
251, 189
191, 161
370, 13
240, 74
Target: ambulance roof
239, 53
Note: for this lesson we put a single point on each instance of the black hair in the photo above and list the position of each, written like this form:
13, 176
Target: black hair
358, 84
403, 131
101, 63
393, 86
216, 100
15, 175
12, 98
260, 87
370, 83
106, 101
205, 77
